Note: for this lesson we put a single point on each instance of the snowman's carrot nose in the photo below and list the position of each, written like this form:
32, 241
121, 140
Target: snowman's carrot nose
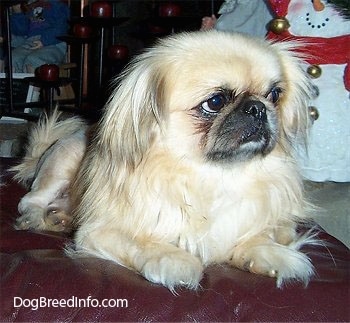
318, 5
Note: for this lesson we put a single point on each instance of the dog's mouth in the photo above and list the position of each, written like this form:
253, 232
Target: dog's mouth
254, 133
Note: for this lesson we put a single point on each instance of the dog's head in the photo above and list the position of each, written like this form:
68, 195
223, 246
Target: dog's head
210, 96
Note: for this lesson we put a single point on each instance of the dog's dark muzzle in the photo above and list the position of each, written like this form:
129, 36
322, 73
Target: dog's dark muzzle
246, 131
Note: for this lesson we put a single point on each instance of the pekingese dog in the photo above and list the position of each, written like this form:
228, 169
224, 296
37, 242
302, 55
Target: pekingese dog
191, 164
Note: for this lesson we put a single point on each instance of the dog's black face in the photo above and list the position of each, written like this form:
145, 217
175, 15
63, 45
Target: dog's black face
238, 127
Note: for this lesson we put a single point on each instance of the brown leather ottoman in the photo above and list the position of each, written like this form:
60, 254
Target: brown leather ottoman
40, 283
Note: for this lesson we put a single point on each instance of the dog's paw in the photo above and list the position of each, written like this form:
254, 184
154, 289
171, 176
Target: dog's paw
58, 220
31, 219
173, 269
38, 218
274, 260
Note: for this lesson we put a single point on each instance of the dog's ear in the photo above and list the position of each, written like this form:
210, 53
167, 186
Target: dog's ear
134, 113
294, 111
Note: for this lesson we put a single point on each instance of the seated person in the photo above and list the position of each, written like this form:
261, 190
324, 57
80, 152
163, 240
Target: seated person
245, 16
34, 31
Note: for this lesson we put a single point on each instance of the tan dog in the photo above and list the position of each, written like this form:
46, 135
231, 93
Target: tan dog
192, 162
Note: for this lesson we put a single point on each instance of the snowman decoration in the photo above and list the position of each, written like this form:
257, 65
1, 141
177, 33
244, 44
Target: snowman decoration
325, 31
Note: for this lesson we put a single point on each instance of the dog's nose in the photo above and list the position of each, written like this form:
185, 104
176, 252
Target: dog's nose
256, 108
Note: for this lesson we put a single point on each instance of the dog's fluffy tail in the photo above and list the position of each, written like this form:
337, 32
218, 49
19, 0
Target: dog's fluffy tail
43, 135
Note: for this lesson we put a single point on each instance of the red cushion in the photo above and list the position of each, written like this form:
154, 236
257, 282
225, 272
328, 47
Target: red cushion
34, 267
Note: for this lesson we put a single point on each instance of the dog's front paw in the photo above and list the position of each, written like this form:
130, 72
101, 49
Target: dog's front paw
274, 260
172, 269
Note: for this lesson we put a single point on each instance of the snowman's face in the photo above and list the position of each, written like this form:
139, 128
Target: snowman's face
306, 21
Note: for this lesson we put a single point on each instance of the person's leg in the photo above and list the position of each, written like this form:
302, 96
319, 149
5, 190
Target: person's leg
19, 56
53, 54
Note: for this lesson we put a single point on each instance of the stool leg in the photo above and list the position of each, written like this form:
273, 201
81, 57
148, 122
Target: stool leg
81, 74
48, 92
100, 65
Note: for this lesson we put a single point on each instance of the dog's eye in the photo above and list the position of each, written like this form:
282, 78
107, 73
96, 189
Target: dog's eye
214, 104
274, 94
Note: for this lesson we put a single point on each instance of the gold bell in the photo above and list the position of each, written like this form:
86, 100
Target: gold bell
313, 113
278, 25
314, 71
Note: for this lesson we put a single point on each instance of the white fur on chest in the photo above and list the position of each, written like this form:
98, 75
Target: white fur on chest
211, 208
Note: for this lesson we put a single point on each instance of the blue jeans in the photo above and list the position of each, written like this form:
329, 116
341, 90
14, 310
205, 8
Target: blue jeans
22, 56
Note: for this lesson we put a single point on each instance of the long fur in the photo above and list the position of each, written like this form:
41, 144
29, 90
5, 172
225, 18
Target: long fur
54, 152
40, 137
147, 197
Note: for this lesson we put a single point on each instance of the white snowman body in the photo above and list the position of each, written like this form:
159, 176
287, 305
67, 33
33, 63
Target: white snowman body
328, 154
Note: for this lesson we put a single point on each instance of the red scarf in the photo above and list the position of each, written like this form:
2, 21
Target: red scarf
317, 50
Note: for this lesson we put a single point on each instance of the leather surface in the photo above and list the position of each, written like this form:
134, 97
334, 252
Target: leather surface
34, 265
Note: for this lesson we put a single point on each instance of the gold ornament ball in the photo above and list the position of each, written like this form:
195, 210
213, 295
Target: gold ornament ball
279, 25
314, 71
313, 113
